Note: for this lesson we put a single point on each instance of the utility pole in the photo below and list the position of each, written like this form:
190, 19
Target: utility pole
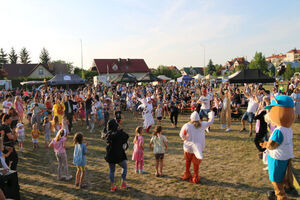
82, 73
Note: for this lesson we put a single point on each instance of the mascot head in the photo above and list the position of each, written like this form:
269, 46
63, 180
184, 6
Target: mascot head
282, 111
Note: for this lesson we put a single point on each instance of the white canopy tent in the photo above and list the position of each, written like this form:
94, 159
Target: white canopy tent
164, 78
198, 76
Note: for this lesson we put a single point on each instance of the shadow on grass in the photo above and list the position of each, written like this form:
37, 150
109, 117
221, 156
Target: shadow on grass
30, 195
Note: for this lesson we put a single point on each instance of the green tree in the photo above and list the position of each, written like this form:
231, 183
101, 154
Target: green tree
259, 62
164, 70
24, 56
44, 56
69, 65
13, 56
210, 68
289, 72
3, 57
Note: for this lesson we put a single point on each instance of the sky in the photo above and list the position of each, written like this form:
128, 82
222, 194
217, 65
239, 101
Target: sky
163, 32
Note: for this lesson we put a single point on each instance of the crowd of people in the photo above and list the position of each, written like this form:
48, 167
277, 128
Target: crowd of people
53, 111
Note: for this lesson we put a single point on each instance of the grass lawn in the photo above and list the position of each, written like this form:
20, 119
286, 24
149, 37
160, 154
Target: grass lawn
230, 168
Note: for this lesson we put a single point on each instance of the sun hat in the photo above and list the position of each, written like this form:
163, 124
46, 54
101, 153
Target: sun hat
195, 116
282, 101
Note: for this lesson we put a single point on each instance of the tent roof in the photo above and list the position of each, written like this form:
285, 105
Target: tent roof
163, 77
66, 79
209, 76
125, 77
250, 76
149, 78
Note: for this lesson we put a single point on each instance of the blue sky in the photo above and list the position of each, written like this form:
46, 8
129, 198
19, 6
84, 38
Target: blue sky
168, 32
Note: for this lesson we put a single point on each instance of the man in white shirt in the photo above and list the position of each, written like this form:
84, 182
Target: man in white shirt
7, 104
249, 114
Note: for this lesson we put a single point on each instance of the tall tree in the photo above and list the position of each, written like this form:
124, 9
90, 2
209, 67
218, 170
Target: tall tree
289, 72
44, 56
13, 56
3, 57
69, 65
210, 68
259, 62
24, 56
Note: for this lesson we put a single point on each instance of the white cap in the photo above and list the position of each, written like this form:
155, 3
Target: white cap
19, 125
195, 116
148, 99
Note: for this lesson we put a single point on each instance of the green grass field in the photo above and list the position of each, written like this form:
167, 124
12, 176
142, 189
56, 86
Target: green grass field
230, 168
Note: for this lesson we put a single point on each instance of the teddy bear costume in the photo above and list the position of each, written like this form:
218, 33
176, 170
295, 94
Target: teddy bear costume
194, 144
280, 145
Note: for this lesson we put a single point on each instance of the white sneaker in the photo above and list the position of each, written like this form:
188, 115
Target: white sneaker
266, 168
227, 130
207, 130
69, 177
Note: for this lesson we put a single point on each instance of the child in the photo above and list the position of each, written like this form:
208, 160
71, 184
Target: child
55, 125
118, 115
106, 113
159, 145
82, 112
158, 113
193, 105
21, 135
138, 152
93, 118
79, 159
47, 130
59, 146
100, 116
35, 136
65, 125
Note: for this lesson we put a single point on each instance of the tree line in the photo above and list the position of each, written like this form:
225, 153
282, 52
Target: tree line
24, 58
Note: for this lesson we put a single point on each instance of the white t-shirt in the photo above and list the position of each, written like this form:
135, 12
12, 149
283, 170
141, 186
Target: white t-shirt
206, 102
252, 105
7, 104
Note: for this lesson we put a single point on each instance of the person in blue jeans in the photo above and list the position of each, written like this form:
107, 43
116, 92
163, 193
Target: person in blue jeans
204, 100
116, 139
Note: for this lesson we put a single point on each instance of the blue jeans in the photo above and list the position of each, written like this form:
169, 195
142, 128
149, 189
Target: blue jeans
204, 113
87, 113
112, 167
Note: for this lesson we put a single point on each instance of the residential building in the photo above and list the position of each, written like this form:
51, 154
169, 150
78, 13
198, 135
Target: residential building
27, 70
292, 55
238, 61
110, 68
276, 60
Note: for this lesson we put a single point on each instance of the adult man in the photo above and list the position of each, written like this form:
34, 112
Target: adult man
251, 109
7, 104
69, 111
88, 109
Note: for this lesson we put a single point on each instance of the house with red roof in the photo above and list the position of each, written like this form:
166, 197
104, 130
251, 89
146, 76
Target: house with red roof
276, 60
293, 55
231, 65
112, 68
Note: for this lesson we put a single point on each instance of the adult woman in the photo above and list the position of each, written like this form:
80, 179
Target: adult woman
226, 109
19, 108
296, 98
58, 110
194, 143
9, 138
115, 153
14, 118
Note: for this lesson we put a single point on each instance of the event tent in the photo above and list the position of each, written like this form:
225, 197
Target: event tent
198, 76
124, 78
164, 78
250, 76
148, 78
66, 79
184, 78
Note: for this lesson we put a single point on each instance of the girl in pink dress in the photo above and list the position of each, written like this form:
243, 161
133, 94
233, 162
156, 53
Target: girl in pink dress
138, 150
19, 108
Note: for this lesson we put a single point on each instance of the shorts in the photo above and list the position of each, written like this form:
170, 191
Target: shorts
159, 156
249, 116
21, 138
80, 168
159, 118
35, 140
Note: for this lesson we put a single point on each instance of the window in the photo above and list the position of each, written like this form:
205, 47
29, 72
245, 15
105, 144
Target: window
41, 71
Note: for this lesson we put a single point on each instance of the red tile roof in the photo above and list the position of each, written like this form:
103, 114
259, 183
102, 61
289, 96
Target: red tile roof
294, 51
276, 56
123, 65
